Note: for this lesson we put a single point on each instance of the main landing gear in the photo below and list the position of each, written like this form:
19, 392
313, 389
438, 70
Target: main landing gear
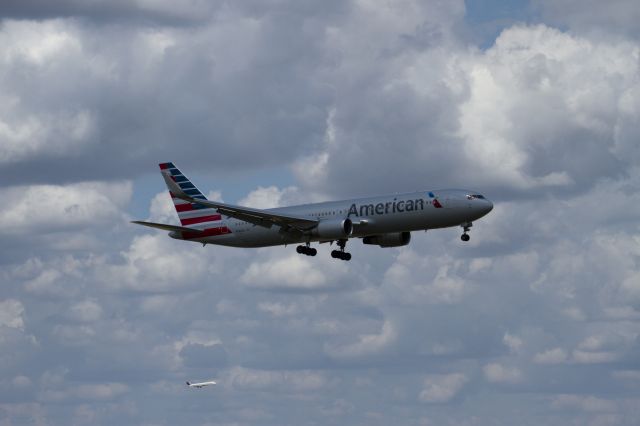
341, 254
466, 226
309, 251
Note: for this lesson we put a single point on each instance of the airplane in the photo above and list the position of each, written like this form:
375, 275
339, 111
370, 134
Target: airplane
385, 221
200, 385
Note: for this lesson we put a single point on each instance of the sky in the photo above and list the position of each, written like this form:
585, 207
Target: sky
535, 104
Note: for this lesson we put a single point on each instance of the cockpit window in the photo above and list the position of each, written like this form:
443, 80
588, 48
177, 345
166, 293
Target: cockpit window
472, 196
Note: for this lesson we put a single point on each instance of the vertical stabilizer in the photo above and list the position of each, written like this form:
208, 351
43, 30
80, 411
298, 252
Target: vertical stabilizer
190, 214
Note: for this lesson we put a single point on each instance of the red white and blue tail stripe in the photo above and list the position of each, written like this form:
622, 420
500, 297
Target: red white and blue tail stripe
191, 214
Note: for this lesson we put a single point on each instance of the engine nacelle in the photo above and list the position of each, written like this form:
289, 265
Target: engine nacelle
333, 229
391, 239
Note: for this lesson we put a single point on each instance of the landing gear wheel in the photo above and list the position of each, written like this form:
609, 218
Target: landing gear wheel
466, 227
309, 251
341, 254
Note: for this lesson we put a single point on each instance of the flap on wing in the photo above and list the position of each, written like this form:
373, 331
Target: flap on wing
166, 227
256, 216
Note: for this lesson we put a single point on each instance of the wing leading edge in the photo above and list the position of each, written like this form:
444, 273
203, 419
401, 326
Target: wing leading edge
255, 216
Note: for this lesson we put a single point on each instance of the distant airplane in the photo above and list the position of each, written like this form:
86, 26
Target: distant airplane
201, 384
386, 221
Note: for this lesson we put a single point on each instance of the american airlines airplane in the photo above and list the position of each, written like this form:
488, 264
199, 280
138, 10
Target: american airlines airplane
386, 221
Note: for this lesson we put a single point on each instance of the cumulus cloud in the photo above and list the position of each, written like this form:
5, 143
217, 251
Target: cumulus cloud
91, 392
292, 273
551, 356
269, 197
335, 99
366, 344
153, 263
288, 381
583, 402
199, 355
50, 208
148, 64
516, 111
413, 279
442, 388
85, 311
499, 373
11, 311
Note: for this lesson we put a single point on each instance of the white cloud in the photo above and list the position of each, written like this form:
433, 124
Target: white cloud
91, 392
57, 277
293, 272
282, 381
156, 263
591, 357
627, 374
583, 402
35, 412
514, 343
102, 391
86, 311
442, 387
516, 111
269, 197
366, 344
11, 314
42, 209
279, 309
415, 279
21, 381
498, 373
162, 209
551, 356
531, 76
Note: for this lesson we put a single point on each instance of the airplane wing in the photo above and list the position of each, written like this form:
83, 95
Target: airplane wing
255, 216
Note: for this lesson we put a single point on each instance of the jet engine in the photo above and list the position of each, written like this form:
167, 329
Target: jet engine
391, 239
334, 229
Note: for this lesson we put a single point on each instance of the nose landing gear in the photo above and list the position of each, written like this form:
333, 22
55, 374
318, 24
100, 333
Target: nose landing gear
466, 227
309, 251
341, 254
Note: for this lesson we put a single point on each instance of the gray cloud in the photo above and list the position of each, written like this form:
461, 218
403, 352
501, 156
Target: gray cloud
618, 17
534, 320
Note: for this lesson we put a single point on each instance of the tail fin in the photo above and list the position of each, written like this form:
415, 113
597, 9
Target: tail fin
189, 213
188, 384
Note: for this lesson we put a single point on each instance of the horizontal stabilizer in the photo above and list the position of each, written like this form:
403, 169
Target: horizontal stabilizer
166, 227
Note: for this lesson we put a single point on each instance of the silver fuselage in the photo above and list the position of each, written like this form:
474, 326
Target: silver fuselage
370, 216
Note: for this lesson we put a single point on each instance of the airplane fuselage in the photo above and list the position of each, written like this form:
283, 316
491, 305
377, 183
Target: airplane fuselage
370, 216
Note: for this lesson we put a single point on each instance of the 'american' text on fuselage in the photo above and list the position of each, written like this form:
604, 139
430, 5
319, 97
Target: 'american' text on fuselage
386, 208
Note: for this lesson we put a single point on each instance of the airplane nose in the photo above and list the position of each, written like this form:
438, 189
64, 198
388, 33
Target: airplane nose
488, 206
